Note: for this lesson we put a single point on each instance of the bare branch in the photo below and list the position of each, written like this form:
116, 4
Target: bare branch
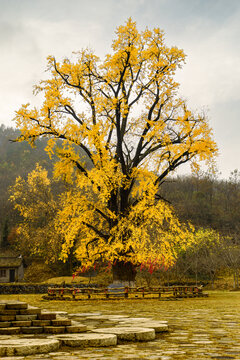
173, 165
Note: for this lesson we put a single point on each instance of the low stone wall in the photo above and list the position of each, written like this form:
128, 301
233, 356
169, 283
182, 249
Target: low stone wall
34, 288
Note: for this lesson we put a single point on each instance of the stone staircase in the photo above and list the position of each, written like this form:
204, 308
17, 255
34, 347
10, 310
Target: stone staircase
20, 318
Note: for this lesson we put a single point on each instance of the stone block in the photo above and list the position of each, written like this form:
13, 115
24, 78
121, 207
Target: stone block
7, 317
41, 322
19, 347
26, 317
31, 310
158, 326
16, 305
54, 329
76, 328
10, 331
86, 340
61, 322
32, 330
2, 307
47, 316
22, 323
4, 324
9, 312
129, 333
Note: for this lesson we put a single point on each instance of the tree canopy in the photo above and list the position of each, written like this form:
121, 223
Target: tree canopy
124, 112
34, 199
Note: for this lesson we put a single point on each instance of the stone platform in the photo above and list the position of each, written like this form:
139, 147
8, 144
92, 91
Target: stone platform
18, 347
20, 318
26, 330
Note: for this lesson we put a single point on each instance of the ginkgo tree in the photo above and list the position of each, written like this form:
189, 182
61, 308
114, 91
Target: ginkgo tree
124, 112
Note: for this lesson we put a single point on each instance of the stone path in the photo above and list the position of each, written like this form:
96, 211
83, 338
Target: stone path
198, 331
18, 318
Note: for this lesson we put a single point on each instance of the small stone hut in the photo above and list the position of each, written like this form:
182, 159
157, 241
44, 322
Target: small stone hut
11, 266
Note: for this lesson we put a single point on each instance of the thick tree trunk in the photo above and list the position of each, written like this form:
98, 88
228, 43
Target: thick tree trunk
124, 272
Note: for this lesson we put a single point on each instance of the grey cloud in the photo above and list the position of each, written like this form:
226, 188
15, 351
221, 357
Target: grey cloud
208, 31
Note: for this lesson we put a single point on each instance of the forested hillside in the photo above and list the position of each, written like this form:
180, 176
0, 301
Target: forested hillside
207, 201
16, 159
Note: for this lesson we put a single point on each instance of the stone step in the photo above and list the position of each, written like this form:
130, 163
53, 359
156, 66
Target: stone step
47, 316
21, 347
158, 326
32, 330
10, 331
26, 317
4, 324
76, 328
2, 306
84, 315
41, 322
128, 333
22, 323
31, 310
61, 322
7, 317
86, 340
16, 305
54, 329
9, 312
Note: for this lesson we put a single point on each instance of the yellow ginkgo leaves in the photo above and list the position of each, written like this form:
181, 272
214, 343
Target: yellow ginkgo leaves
123, 114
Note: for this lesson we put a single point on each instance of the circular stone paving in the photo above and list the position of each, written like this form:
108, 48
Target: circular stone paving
85, 340
25, 346
85, 314
158, 326
129, 333
141, 320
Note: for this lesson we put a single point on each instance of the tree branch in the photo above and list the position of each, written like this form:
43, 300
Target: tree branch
99, 233
173, 165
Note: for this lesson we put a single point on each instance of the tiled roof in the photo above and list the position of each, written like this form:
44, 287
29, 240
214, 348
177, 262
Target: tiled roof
9, 258
10, 262
7, 253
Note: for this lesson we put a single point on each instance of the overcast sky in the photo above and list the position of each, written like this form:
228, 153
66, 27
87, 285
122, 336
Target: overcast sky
207, 30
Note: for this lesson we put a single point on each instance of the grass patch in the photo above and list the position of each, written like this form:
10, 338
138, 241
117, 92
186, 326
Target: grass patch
67, 280
217, 300
102, 279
